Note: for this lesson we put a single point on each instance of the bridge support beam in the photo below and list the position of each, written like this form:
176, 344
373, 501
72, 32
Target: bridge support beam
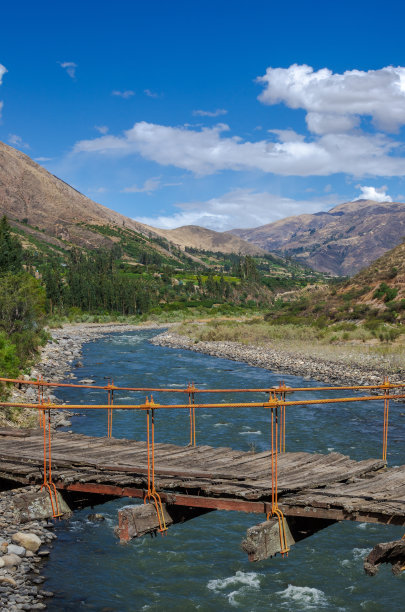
263, 540
386, 552
137, 520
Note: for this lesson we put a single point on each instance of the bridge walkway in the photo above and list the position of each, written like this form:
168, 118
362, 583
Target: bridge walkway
330, 486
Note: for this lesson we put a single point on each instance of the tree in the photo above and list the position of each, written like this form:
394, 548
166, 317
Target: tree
22, 303
11, 251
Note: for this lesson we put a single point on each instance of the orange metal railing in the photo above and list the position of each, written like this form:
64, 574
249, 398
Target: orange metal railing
276, 403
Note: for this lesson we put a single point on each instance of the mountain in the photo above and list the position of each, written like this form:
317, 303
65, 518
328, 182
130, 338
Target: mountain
50, 217
47, 208
384, 280
205, 239
34, 196
375, 296
341, 241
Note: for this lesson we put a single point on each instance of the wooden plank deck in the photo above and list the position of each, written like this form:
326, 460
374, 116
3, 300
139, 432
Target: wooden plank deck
322, 486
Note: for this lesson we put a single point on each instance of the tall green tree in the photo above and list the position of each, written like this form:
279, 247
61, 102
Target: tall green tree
11, 251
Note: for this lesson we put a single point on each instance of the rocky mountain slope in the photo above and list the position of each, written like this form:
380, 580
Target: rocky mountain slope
389, 271
36, 201
31, 194
375, 295
208, 240
50, 217
341, 242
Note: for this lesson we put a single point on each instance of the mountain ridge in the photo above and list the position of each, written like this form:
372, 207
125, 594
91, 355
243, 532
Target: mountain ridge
31, 195
340, 241
209, 240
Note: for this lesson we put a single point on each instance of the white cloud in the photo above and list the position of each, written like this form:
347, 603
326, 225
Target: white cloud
216, 113
3, 71
335, 101
378, 194
103, 129
327, 123
70, 68
238, 208
206, 151
151, 94
149, 185
123, 94
43, 159
17, 141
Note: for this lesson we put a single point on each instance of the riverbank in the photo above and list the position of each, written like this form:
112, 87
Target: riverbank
20, 574
24, 546
59, 359
357, 370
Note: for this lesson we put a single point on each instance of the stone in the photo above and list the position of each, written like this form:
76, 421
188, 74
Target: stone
8, 580
386, 552
95, 517
16, 550
11, 560
1, 562
30, 541
263, 540
36, 505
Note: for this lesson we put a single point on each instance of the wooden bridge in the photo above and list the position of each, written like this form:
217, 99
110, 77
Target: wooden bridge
299, 492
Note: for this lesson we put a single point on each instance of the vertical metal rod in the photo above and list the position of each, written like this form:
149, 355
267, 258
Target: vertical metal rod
108, 409
385, 426
193, 401
191, 418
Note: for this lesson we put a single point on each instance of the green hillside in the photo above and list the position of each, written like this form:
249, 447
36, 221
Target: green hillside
137, 273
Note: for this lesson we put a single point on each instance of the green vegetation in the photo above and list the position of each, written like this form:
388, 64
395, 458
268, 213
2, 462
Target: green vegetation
133, 276
358, 320
22, 307
348, 343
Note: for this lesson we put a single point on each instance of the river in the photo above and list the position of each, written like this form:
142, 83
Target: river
199, 565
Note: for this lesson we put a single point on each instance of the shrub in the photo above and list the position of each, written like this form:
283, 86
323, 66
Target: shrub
9, 361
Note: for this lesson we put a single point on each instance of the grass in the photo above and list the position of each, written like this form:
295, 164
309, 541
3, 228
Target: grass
346, 343
176, 316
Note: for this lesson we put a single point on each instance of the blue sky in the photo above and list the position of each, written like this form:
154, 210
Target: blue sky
223, 114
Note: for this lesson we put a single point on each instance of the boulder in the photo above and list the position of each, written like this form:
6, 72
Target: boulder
11, 560
31, 506
16, 550
29, 541
96, 517
8, 580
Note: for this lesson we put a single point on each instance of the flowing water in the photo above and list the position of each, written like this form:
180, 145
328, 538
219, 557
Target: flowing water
199, 565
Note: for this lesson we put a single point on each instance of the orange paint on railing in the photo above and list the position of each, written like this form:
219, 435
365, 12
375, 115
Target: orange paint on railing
276, 403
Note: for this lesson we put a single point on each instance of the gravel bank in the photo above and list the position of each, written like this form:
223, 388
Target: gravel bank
61, 359
282, 361
23, 549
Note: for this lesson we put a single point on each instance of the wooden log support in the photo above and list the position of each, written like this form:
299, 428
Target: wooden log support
386, 552
137, 520
263, 540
